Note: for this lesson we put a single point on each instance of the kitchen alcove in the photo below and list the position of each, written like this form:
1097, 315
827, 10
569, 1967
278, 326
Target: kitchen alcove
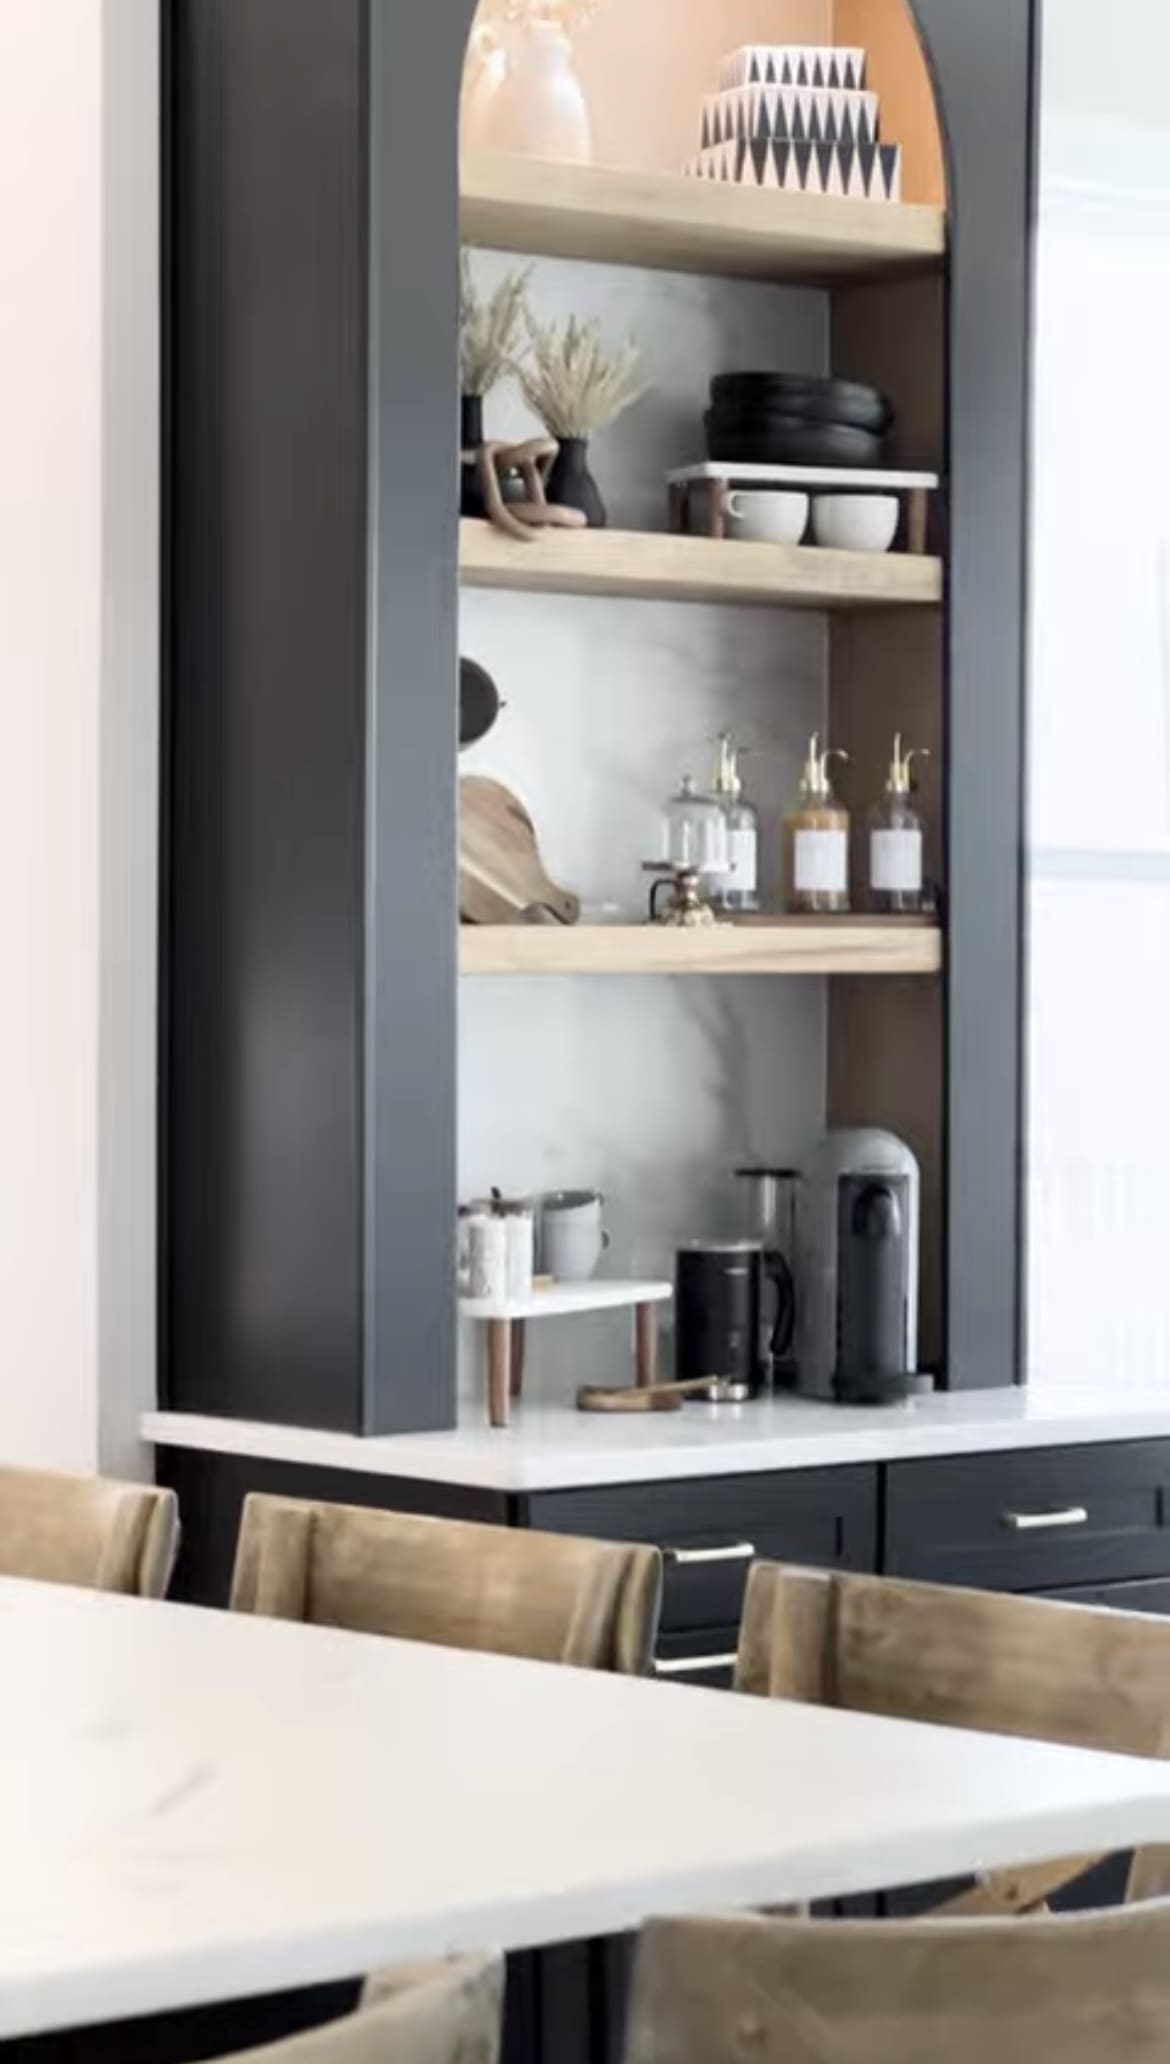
310, 958
644, 1063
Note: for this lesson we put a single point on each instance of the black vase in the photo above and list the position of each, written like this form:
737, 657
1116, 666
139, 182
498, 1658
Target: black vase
471, 501
571, 484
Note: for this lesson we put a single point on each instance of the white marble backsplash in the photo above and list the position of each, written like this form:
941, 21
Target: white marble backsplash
687, 327
649, 1090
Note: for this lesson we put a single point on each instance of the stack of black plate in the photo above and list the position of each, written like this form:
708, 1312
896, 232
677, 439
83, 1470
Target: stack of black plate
790, 419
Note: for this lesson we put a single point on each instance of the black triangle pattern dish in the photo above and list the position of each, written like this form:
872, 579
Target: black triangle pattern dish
800, 116
845, 171
797, 118
794, 64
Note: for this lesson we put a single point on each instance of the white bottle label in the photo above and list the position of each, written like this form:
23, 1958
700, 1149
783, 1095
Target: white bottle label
742, 877
895, 862
820, 863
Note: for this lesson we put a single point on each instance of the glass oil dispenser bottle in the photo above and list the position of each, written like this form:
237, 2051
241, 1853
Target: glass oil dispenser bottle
816, 840
739, 887
896, 840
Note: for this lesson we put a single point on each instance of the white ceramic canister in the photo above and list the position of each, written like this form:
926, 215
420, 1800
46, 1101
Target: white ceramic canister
520, 1243
487, 1256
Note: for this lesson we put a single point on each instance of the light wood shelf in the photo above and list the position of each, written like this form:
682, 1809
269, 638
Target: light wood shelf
654, 566
793, 946
670, 223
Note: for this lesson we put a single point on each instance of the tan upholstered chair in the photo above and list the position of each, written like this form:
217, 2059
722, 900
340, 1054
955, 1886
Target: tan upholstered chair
1080, 1989
547, 1596
1063, 1673
440, 2013
87, 1531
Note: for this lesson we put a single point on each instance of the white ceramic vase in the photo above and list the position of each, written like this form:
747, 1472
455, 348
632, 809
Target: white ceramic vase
525, 95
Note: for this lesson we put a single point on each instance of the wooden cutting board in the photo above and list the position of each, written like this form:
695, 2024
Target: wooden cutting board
501, 874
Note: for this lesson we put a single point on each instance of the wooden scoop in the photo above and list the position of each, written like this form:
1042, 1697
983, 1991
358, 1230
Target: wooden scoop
651, 1397
501, 874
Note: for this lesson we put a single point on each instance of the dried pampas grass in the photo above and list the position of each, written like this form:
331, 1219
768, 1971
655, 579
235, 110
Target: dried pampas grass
571, 381
489, 331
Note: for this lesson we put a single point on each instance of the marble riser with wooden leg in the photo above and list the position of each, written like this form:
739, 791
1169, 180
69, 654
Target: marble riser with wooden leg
698, 496
506, 1322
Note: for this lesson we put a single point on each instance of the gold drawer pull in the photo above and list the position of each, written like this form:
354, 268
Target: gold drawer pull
691, 1558
691, 1665
1035, 1522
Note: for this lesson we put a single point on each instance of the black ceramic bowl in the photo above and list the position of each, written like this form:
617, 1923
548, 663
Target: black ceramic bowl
789, 441
846, 402
479, 702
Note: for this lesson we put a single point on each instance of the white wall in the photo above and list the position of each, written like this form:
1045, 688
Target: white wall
78, 592
650, 1090
1099, 973
129, 729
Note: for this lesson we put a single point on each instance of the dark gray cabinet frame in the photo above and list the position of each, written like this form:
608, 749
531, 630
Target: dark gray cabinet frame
309, 970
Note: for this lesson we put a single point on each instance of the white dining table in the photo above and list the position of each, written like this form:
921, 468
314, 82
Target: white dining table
199, 1807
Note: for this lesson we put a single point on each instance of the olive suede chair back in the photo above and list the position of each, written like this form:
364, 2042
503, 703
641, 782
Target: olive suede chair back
439, 2013
1077, 1674
1075, 1989
87, 1531
550, 1597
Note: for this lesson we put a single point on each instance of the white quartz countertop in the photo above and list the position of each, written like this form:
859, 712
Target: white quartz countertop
557, 1448
198, 1806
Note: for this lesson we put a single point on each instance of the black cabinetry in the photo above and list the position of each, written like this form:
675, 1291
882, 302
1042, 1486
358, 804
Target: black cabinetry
1087, 1524
946, 1521
311, 230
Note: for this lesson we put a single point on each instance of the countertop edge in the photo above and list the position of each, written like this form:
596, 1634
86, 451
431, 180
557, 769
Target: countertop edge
532, 1458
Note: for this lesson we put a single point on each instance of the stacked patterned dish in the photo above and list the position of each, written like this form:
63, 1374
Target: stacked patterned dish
798, 119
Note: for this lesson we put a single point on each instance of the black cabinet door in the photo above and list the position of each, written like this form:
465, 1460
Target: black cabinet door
710, 1532
1151, 1597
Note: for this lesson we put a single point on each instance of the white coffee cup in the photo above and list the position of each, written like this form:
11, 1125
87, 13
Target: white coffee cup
572, 1237
857, 522
771, 519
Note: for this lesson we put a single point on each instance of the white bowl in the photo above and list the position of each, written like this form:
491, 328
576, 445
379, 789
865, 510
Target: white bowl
856, 522
767, 518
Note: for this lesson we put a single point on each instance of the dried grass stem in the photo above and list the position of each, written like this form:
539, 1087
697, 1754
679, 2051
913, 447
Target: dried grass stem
571, 381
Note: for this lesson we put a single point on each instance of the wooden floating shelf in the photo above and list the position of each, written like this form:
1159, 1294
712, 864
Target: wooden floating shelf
653, 566
792, 946
665, 222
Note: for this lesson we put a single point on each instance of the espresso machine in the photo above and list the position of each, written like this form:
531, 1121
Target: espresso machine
858, 1216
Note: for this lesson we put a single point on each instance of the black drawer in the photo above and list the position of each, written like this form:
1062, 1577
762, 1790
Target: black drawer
711, 1530
1033, 1521
705, 1658
1149, 1596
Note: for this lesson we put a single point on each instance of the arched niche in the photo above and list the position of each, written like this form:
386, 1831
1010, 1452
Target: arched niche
313, 236
646, 65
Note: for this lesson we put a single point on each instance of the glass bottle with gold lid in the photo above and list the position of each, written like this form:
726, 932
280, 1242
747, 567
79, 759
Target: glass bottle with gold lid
816, 840
739, 887
896, 838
